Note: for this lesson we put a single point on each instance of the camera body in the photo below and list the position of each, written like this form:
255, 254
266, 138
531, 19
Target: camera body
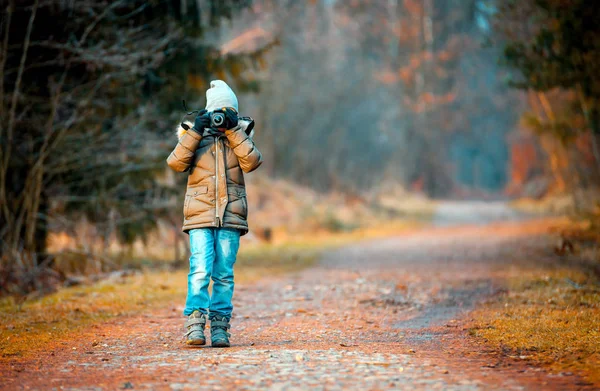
218, 119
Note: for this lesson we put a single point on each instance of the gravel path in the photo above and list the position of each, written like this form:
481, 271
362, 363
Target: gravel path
384, 314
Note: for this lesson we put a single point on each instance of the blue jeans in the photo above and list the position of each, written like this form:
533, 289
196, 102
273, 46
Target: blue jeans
214, 251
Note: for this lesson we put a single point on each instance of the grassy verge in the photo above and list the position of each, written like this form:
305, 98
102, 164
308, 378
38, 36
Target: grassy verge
37, 325
550, 317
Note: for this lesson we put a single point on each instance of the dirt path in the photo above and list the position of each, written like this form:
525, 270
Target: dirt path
385, 314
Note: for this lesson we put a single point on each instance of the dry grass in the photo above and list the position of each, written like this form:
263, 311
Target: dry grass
38, 325
551, 319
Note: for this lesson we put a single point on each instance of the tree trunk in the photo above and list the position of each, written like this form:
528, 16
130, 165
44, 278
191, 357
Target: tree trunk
23, 244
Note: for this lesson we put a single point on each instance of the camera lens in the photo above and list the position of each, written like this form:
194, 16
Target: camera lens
218, 119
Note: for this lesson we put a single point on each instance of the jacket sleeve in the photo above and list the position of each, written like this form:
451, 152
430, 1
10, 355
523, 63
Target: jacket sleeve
183, 155
243, 146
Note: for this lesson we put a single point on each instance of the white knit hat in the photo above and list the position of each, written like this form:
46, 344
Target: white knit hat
220, 95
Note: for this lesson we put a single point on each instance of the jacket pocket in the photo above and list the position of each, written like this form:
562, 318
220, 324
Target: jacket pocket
190, 196
237, 200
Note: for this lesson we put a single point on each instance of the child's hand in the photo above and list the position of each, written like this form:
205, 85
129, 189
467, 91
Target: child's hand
202, 121
231, 118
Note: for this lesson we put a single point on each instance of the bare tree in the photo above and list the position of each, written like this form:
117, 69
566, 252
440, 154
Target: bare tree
82, 118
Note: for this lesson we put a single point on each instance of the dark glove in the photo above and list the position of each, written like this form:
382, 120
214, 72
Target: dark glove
231, 118
202, 121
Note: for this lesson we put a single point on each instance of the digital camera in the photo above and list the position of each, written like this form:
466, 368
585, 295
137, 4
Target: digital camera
219, 120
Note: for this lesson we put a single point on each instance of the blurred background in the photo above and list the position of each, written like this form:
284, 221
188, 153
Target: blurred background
369, 114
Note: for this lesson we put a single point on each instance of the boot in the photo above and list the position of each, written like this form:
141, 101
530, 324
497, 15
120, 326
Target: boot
219, 337
195, 325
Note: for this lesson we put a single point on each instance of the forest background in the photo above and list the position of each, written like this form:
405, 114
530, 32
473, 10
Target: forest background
367, 112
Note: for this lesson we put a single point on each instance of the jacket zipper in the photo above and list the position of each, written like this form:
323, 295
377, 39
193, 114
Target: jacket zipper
217, 222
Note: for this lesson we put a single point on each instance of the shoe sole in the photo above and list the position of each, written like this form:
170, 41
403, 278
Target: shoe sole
220, 345
195, 342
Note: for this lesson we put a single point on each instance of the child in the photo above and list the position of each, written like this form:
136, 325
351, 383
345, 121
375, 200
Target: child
215, 209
